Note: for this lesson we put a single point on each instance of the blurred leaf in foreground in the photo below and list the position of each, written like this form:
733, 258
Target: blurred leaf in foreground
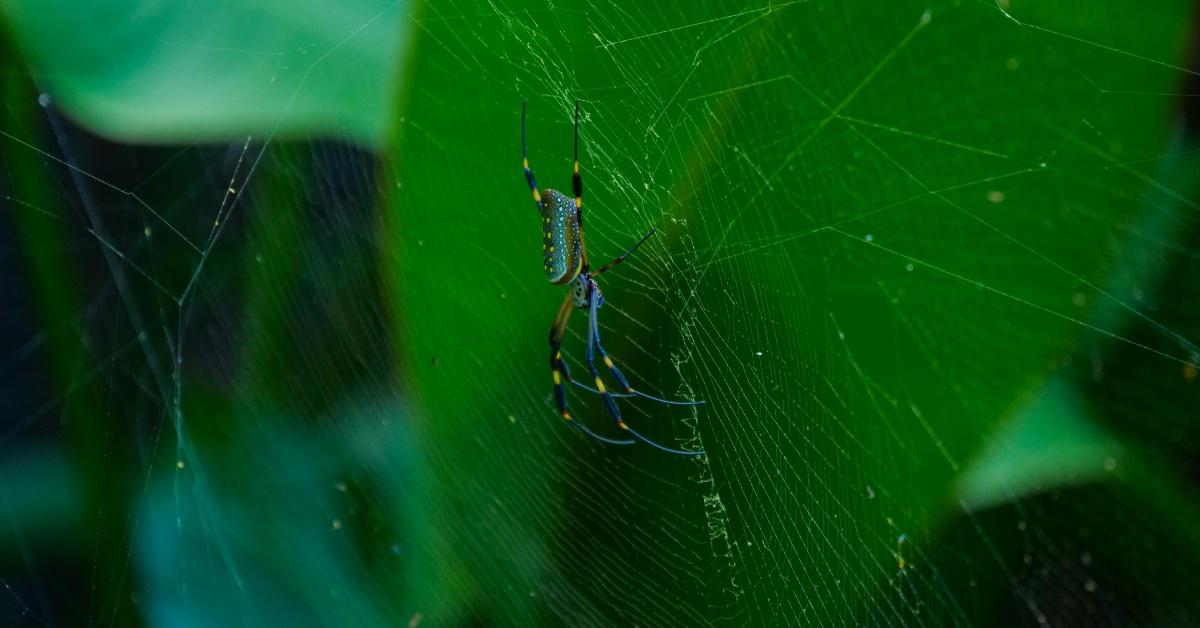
167, 71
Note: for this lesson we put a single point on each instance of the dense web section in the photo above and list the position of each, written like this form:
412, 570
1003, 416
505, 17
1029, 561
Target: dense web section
906, 255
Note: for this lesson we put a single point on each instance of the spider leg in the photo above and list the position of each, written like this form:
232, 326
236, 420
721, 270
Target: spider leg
556, 338
566, 375
577, 188
594, 330
593, 337
562, 365
636, 393
620, 377
557, 332
537, 196
620, 259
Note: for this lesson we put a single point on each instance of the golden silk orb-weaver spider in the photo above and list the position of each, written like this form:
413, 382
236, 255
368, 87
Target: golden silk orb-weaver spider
565, 261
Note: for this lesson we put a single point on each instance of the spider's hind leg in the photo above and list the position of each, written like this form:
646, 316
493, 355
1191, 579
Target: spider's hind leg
529, 178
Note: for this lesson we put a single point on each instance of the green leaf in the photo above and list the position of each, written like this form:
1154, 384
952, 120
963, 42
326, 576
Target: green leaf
1051, 444
166, 71
40, 498
875, 224
292, 528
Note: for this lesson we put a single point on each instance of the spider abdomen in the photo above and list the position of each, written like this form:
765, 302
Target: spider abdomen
562, 246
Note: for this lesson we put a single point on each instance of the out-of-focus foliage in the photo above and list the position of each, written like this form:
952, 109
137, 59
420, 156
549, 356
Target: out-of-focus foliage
167, 71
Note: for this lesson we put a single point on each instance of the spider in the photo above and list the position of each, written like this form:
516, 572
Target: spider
566, 262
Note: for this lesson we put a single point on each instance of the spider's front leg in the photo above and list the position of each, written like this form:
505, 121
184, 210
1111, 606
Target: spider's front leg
609, 403
594, 333
558, 368
594, 299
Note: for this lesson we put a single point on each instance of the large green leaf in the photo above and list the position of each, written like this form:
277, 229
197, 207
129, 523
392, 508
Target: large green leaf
881, 229
1049, 445
166, 71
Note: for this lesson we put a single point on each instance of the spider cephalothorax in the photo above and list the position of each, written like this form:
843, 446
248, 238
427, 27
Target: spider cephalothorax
579, 293
564, 256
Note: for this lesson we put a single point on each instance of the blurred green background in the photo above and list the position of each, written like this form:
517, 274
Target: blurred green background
273, 343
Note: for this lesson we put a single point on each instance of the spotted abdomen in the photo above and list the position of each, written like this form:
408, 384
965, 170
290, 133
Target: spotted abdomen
562, 248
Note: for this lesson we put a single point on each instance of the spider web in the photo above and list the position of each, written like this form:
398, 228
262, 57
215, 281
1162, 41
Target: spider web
926, 263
